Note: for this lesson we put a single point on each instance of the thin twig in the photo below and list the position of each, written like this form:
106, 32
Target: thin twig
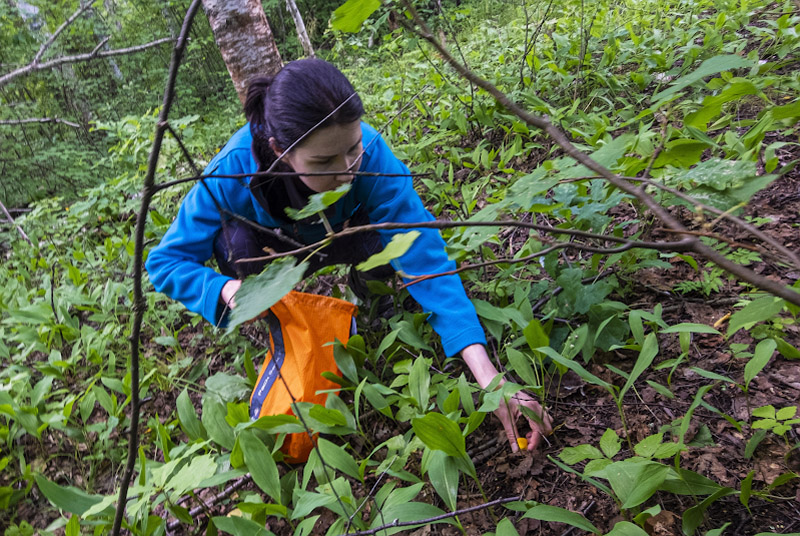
47, 44
219, 497
139, 303
681, 245
12, 222
39, 120
433, 519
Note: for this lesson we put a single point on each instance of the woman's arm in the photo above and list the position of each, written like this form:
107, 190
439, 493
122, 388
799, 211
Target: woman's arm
484, 372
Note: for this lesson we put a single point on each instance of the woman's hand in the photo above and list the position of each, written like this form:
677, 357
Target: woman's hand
478, 362
228, 292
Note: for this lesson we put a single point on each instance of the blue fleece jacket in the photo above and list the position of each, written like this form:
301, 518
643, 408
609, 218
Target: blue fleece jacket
176, 265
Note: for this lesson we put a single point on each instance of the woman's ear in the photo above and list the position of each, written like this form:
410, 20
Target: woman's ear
274, 146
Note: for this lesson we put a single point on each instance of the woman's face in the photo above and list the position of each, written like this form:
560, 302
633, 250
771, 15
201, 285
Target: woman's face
335, 149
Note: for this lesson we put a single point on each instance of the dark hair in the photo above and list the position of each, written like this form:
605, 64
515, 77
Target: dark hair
289, 104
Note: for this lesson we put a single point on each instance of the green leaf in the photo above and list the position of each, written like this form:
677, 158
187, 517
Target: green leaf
260, 292
419, 381
747, 484
213, 418
648, 446
693, 517
718, 531
688, 327
646, 355
626, 528
440, 433
188, 417
349, 16
610, 443
521, 364
634, 480
261, 464
338, 458
685, 482
239, 526
707, 68
443, 474
753, 442
575, 367
544, 512
761, 357
682, 153
786, 413
756, 311
573, 455
505, 528
319, 202
535, 335
69, 498
396, 248
328, 417
191, 475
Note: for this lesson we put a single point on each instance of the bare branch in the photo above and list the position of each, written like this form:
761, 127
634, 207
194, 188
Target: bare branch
47, 44
434, 518
139, 303
739, 271
12, 222
683, 245
33, 67
39, 120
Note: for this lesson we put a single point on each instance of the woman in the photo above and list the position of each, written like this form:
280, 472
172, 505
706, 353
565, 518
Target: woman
306, 119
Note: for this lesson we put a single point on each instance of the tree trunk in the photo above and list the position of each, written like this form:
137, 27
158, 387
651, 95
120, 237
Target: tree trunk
302, 35
245, 40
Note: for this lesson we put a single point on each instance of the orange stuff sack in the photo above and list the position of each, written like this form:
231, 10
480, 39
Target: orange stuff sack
301, 326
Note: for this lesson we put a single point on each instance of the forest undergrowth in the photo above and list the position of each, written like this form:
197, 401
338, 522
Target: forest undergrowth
674, 386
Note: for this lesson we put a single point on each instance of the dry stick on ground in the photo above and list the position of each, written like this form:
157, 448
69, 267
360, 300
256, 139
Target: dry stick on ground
12, 222
216, 499
619, 182
39, 120
139, 303
434, 518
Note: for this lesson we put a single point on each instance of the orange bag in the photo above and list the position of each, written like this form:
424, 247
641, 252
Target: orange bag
300, 327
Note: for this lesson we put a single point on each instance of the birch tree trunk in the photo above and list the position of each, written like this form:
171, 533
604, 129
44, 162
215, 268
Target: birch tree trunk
245, 40
302, 34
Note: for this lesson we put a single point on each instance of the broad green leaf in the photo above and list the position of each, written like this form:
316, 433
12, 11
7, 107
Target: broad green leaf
191, 475
319, 202
260, 292
648, 446
610, 443
213, 418
69, 498
682, 153
573, 455
261, 464
306, 527
756, 311
634, 480
688, 327
188, 417
626, 528
396, 248
307, 501
443, 474
521, 364
338, 458
239, 526
575, 367
419, 381
685, 482
646, 355
349, 16
721, 530
786, 413
279, 424
753, 442
535, 335
707, 68
328, 417
747, 484
544, 512
694, 516
505, 528
761, 357
440, 433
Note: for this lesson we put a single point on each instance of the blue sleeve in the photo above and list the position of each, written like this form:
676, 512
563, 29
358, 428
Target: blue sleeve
393, 199
176, 265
